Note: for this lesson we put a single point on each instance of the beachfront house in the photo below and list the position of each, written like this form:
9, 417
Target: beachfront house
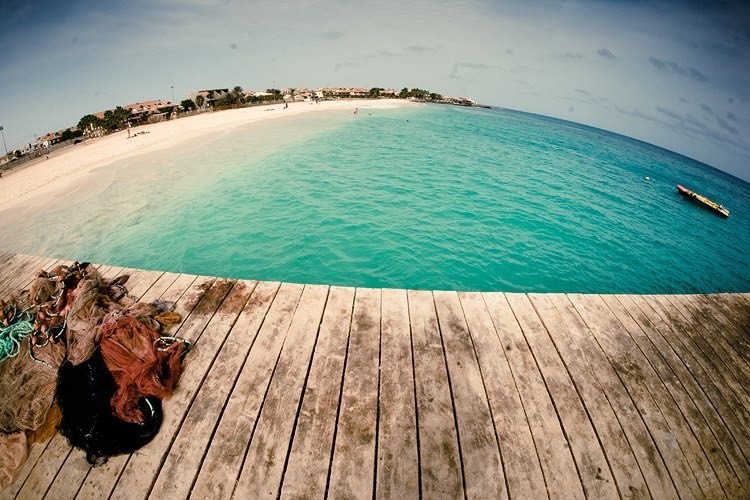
343, 92
150, 111
208, 96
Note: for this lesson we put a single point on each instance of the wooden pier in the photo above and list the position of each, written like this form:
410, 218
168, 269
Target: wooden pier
310, 391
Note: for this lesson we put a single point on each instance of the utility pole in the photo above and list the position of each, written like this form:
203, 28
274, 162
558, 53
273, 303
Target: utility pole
3, 134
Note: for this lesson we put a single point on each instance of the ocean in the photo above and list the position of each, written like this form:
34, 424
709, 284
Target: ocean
426, 197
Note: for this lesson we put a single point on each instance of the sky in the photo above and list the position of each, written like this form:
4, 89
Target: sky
672, 73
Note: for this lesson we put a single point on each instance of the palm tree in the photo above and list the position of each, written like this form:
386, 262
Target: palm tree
199, 101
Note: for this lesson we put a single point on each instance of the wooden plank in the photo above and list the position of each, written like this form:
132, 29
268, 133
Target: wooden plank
191, 443
478, 444
523, 471
158, 287
593, 469
713, 332
708, 461
263, 470
310, 456
614, 441
215, 313
223, 461
19, 270
720, 323
557, 462
721, 396
46, 468
186, 292
142, 281
640, 381
652, 343
702, 349
736, 312
353, 462
603, 374
23, 280
34, 452
441, 475
398, 456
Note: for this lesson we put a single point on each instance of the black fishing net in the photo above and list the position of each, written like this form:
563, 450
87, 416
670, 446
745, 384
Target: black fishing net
84, 393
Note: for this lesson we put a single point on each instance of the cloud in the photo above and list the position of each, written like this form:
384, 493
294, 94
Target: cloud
417, 49
606, 53
509, 52
687, 125
380, 53
670, 113
705, 107
233, 46
723, 50
331, 35
731, 116
582, 91
673, 67
471, 65
340, 65
567, 55
682, 99
726, 126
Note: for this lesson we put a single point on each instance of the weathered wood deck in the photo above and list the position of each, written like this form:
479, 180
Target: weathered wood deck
313, 391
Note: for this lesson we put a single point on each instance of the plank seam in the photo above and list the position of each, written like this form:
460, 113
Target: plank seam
414, 389
377, 410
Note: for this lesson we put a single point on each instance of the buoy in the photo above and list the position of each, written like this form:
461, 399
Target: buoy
648, 178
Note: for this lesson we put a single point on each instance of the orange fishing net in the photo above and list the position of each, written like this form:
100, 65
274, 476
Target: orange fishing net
141, 364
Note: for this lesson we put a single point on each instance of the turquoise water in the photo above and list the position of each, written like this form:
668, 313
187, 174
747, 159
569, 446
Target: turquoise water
432, 197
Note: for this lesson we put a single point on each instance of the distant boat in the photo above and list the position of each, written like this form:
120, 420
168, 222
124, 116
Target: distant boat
702, 201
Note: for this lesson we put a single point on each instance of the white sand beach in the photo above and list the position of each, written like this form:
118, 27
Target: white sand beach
65, 168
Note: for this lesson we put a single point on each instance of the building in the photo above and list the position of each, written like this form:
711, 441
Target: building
210, 96
155, 110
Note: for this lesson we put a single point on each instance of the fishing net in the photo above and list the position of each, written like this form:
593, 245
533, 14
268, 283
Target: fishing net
27, 389
13, 453
141, 362
27, 386
80, 336
84, 393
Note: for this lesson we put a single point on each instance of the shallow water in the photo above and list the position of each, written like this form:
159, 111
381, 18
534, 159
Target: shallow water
429, 198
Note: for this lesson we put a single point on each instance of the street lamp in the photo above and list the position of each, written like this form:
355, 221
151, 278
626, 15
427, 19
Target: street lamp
3, 134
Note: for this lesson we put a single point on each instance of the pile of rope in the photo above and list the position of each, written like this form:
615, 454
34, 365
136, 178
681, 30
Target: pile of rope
79, 342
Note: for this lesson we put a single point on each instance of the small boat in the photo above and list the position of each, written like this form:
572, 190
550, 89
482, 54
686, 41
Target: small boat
702, 201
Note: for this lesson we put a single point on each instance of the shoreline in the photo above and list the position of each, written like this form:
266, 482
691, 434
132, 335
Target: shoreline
61, 171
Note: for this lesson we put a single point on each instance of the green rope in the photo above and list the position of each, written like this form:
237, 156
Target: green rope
11, 337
